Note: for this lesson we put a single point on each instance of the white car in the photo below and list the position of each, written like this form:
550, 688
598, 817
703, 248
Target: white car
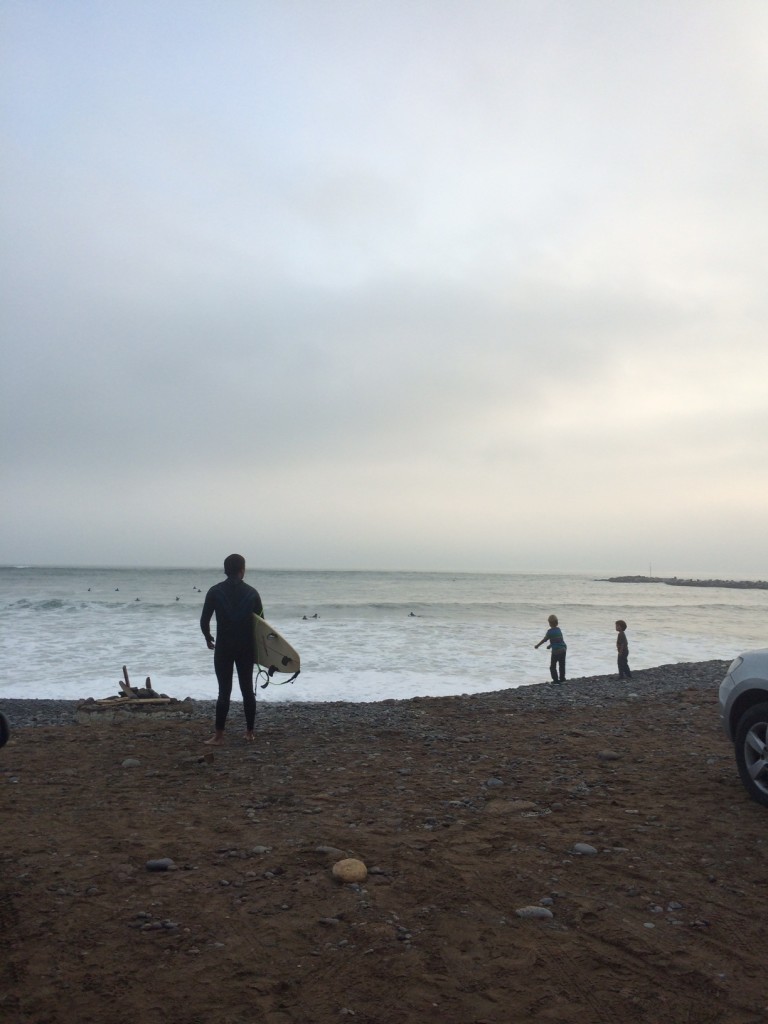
744, 714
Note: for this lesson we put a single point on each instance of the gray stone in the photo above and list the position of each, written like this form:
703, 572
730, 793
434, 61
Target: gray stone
583, 850
162, 864
535, 913
332, 852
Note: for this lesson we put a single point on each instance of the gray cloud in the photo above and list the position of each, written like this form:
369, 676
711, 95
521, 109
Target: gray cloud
387, 285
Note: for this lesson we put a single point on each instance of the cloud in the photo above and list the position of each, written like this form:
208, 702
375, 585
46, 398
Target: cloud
422, 285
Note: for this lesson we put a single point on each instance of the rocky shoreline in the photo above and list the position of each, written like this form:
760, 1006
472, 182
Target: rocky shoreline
588, 691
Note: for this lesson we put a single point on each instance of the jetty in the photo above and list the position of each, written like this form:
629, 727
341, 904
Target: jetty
675, 581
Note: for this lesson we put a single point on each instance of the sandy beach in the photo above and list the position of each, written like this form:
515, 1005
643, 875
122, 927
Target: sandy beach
575, 854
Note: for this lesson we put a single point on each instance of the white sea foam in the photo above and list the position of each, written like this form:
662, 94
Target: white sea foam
66, 633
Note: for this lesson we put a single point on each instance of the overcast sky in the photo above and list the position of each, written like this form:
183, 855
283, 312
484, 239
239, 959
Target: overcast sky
414, 284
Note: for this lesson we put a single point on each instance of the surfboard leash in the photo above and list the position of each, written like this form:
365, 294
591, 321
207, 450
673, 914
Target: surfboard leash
269, 673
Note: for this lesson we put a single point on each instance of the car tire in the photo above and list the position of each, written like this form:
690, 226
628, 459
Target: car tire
5, 730
751, 748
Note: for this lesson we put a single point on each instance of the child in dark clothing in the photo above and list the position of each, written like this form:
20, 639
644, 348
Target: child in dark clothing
622, 647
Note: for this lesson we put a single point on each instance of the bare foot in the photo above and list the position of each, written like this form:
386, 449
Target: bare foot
214, 741
249, 737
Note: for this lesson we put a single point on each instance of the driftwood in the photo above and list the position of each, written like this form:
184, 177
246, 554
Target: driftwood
131, 700
134, 695
144, 693
124, 700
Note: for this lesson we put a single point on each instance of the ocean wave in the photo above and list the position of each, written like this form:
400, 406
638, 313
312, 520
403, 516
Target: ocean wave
77, 628
131, 605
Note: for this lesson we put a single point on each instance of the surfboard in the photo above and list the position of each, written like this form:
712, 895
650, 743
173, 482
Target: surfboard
272, 651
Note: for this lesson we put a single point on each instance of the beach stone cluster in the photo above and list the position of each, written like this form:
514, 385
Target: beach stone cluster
594, 691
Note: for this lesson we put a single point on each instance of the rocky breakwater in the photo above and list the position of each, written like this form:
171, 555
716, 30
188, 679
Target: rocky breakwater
675, 581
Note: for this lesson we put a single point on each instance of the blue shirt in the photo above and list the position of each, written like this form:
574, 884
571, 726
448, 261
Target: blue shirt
555, 637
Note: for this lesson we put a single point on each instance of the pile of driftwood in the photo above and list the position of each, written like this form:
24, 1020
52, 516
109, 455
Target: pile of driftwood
130, 699
142, 693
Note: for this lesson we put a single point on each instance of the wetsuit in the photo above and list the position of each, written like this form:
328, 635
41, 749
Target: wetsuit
234, 603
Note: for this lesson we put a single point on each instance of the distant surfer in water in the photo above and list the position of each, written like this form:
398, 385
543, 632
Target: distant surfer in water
234, 603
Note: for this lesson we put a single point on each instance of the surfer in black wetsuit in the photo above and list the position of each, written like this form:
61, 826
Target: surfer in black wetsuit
233, 602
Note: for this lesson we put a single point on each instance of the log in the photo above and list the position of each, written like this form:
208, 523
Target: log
125, 683
117, 702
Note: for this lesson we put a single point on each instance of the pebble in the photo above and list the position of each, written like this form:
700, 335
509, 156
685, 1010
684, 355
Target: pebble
349, 870
131, 762
590, 691
162, 864
583, 850
332, 852
535, 913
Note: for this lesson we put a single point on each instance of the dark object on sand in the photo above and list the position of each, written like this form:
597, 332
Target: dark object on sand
163, 864
5, 730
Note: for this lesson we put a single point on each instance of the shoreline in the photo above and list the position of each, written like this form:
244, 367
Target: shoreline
33, 712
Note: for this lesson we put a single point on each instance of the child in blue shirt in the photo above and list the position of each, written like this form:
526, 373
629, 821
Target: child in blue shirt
557, 645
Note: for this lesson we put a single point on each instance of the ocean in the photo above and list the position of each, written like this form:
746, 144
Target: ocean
65, 633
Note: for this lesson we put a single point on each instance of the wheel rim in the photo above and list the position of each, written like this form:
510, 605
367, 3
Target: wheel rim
756, 755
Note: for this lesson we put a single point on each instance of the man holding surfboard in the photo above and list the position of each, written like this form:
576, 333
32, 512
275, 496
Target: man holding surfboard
234, 604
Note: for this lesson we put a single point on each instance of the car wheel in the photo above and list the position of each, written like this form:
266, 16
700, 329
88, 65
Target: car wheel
751, 746
5, 730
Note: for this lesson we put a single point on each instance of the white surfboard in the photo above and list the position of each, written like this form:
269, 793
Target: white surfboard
272, 651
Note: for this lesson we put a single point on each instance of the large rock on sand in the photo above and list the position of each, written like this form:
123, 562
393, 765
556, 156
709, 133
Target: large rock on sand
349, 870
